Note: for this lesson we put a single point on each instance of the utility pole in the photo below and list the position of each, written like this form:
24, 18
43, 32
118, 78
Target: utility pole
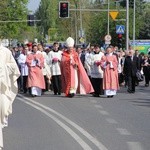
108, 18
76, 28
127, 24
134, 24
81, 25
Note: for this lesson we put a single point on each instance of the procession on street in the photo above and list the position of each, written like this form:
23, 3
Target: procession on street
33, 69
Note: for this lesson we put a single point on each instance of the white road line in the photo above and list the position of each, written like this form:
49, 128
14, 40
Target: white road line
123, 131
112, 121
135, 146
103, 112
84, 145
98, 106
99, 145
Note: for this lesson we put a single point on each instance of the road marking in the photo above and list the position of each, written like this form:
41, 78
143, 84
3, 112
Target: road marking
84, 145
134, 146
103, 112
123, 131
98, 144
98, 106
93, 101
112, 121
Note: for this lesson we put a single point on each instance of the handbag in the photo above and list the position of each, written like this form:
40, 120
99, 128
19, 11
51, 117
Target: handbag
139, 76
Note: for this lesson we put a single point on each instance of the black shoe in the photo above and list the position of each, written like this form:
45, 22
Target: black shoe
33, 95
59, 93
129, 91
96, 95
71, 95
25, 92
55, 93
146, 85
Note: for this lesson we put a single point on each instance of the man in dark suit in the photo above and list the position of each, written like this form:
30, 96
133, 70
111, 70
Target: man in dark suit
131, 65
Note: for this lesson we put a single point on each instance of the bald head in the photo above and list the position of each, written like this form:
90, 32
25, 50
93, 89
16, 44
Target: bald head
131, 52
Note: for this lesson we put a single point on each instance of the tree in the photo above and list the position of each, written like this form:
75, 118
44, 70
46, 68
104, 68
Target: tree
48, 14
94, 24
145, 29
131, 3
11, 10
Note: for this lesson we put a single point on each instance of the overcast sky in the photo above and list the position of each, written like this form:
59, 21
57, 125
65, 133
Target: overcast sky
33, 5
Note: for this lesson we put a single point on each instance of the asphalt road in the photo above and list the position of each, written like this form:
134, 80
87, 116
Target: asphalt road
83, 122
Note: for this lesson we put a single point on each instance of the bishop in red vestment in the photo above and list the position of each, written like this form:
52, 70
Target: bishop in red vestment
74, 76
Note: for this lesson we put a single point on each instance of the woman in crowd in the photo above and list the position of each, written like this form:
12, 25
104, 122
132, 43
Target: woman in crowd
146, 69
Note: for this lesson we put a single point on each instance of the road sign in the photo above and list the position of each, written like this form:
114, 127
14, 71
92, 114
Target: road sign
107, 42
114, 14
82, 40
107, 38
120, 29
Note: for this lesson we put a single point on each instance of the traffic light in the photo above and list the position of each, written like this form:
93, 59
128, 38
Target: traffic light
64, 9
30, 19
119, 41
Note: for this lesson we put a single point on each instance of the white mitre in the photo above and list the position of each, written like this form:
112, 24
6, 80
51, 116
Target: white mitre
70, 42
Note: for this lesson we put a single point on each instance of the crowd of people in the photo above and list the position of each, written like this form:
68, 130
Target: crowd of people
70, 70
35, 69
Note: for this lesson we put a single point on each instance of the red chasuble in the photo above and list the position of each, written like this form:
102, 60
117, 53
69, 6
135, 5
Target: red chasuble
74, 76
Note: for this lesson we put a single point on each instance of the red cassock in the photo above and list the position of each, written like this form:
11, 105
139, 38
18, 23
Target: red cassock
74, 76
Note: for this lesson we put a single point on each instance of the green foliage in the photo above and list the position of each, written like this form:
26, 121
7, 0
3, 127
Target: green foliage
12, 10
98, 28
131, 3
94, 23
145, 29
48, 14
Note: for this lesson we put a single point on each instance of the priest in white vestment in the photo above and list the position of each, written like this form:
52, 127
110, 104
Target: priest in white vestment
9, 74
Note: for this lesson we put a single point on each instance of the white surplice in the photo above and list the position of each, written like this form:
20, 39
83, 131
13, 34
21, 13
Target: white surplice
9, 74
